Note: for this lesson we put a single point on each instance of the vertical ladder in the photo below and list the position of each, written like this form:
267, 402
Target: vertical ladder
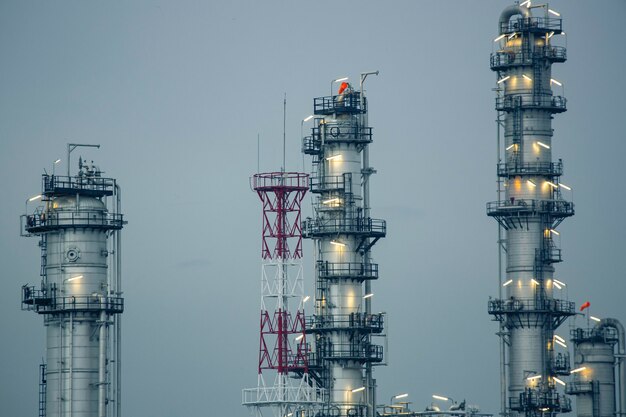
42, 390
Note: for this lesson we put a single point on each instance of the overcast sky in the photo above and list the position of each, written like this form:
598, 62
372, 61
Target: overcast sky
176, 93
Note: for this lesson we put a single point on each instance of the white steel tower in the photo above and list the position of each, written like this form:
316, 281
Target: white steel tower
529, 209
79, 224
282, 346
344, 234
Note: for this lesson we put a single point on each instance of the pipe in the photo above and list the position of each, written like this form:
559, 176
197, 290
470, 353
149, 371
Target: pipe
621, 366
506, 14
118, 318
102, 365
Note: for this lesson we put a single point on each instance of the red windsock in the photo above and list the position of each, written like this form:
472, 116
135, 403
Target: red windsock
342, 87
585, 305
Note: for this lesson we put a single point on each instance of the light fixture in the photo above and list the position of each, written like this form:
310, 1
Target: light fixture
559, 282
510, 146
533, 378
37, 197
499, 37
400, 396
57, 161
557, 380
74, 278
306, 298
543, 145
527, 3
509, 282
565, 186
368, 295
553, 12
553, 81
534, 281
299, 338
334, 242
549, 35
341, 79
440, 397
551, 184
557, 337
511, 36
332, 200
556, 284
501, 80
555, 232
306, 119
595, 319
332, 158
527, 77
558, 342
582, 368
358, 389
532, 184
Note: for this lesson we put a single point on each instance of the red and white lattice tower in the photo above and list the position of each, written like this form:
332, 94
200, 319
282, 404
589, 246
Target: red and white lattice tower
282, 346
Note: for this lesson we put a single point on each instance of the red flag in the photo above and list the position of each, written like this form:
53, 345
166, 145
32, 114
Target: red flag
585, 305
342, 87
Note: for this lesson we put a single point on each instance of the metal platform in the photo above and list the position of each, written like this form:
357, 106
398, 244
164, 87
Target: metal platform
511, 102
83, 185
33, 224
505, 59
41, 303
341, 104
347, 270
531, 400
531, 313
553, 169
361, 322
367, 227
359, 352
542, 25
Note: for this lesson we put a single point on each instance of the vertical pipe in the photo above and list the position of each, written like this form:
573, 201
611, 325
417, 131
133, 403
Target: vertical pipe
71, 360
501, 330
102, 364
118, 318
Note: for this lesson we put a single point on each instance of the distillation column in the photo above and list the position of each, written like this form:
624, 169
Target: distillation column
594, 378
79, 226
344, 235
529, 211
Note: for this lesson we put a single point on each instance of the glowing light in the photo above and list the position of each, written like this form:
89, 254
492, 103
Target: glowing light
306, 298
368, 295
334, 157
558, 286
74, 278
551, 184
498, 38
501, 80
306, 119
333, 242
558, 342
555, 232
566, 187
543, 145
512, 36
37, 197
559, 282
595, 318
534, 281
57, 161
332, 200
533, 378
440, 397
557, 337
338, 80
299, 337
553, 12
358, 389
527, 3
527, 77
532, 184
509, 282
401, 396
558, 381
553, 81
549, 35
573, 371
510, 146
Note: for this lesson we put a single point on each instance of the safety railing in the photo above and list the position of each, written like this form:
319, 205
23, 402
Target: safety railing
550, 254
372, 323
303, 394
87, 185
52, 220
603, 335
343, 410
561, 364
532, 399
578, 387
363, 352
361, 226
532, 24
311, 145
555, 104
504, 59
283, 180
40, 302
531, 305
352, 270
516, 207
553, 169
331, 183
339, 132
343, 103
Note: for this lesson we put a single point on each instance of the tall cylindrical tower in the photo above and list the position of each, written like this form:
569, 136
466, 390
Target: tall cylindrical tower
529, 209
344, 234
283, 346
594, 376
79, 227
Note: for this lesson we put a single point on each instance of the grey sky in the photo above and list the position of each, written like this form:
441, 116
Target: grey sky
176, 93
